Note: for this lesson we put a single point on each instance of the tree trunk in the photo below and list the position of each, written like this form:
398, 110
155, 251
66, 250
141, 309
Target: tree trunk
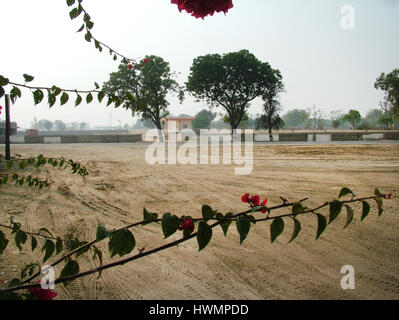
270, 132
159, 127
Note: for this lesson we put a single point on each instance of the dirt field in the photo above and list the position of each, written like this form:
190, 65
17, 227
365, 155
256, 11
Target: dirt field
121, 183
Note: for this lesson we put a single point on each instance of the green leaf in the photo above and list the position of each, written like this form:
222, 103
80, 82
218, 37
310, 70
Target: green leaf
20, 238
51, 99
204, 235
321, 224
379, 202
56, 90
344, 191
49, 248
96, 85
3, 242
243, 227
58, 245
297, 229
335, 210
10, 296
78, 100
88, 36
38, 96
89, 98
64, 98
45, 230
207, 212
122, 242
28, 78
225, 224
89, 24
100, 96
71, 268
276, 228
377, 193
170, 224
2, 92
33, 242
74, 13
149, 216
83, 250
297, 207
102, 233
365, 210
14, 282
3, 81
349, 216
70, 2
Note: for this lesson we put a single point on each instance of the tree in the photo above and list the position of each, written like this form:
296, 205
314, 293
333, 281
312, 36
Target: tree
271, 119
45, 124
390, 84
353, 117
296, 118
270, 122
336, 118
230, 81
385, 116
315, 118
203, 119
147, 83
59, 125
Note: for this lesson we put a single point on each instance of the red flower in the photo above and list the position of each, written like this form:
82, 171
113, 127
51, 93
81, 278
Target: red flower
145, 60
187, 225
245, 197
130, 67
389, 195
201, 8
42, 294
254, 201
263, 204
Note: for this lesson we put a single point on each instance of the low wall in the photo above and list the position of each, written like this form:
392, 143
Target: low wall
123, 138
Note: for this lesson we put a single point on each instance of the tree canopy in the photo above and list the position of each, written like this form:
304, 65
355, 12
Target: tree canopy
148, 83
390, 84
353, 117
203, 119
230, 80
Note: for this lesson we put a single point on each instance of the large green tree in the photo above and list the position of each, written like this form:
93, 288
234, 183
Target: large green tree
390, 84
148, 82
231, 81
353, 117
203, 119
297, 118
270, 119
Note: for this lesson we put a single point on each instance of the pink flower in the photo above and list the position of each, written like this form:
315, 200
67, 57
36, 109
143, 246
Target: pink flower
201, 8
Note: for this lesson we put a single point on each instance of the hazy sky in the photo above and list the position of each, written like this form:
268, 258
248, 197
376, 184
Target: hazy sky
321, 62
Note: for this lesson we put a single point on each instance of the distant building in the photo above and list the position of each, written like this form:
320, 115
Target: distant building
176, 124
31, 132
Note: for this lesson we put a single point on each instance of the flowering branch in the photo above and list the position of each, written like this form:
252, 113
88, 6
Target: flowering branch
118, 243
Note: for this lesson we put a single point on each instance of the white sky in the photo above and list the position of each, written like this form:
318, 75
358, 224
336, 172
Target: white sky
320, 62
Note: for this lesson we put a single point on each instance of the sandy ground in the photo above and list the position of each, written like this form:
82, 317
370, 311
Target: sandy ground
121, 183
